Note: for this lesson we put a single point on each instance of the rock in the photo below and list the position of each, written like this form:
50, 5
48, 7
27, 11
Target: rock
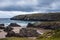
10, 34
30, 25
26, 32
14, 25
7, 29
2, 26
45, 25
17, 35
50, 25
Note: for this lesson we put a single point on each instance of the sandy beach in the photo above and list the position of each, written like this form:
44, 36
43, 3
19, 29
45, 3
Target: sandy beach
17, 29
2, 34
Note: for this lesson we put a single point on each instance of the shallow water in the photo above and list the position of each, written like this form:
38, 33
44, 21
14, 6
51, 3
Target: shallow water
7, 21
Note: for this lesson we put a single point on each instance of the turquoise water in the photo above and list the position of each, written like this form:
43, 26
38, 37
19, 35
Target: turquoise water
7, 21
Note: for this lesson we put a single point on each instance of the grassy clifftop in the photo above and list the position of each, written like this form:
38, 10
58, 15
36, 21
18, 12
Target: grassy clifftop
38, 17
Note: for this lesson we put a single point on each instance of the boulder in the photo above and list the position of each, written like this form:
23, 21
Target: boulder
2, 26
34, 25
26, 32
10, 34
30, 25
7, 29
14, 25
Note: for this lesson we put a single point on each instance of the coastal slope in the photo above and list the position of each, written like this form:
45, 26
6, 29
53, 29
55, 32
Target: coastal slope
38, 17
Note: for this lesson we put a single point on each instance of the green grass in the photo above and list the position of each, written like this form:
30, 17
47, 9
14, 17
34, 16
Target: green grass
49, 39
52, 35
15, 38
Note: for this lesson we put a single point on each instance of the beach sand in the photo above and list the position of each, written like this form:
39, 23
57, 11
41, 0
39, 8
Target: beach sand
17, 29
2, 34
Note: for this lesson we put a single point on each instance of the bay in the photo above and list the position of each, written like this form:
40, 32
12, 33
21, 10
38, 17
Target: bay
7, 21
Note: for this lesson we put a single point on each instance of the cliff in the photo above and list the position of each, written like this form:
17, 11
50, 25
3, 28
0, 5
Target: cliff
38, 17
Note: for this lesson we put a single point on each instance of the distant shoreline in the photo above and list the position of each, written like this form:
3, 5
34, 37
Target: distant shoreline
38, 17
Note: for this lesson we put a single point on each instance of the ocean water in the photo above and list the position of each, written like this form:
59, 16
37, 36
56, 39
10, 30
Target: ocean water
7, 21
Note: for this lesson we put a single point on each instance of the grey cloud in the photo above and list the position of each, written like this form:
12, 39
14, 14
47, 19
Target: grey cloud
29, 5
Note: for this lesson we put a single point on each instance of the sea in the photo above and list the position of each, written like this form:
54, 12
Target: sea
7, 21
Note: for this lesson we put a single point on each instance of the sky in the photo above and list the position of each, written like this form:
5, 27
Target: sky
10, 8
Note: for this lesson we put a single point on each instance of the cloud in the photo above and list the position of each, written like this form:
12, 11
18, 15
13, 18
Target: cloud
55, 5
50, 6
30, 5
9, 14
18, 5
10, 8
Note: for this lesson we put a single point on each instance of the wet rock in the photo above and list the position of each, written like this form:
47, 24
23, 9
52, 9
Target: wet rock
7, 29
2, 26
30, 25
14, 25
10, 34
26, 32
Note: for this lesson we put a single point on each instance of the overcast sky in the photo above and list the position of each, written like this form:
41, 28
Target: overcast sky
10, 8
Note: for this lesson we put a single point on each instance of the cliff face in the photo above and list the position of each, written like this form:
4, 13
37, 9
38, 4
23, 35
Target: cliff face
38, 17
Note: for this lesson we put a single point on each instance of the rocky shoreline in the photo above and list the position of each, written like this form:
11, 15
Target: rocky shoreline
38, 17
15, 30
32, 30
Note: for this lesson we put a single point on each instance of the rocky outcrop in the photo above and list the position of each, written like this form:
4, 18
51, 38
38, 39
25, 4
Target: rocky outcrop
45, 25
10, 34
2, 26
7, 29
25, 32
34, 25
14, 25
30, 25
50, 25
38, 17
